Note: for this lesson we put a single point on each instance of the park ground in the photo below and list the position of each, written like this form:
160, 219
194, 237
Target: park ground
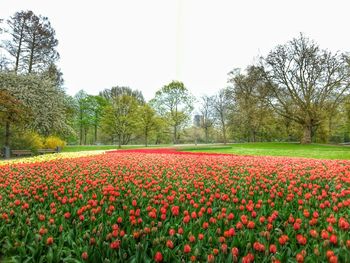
318, 151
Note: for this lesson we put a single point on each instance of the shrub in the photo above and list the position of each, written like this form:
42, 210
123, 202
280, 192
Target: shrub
52, 142
28, 140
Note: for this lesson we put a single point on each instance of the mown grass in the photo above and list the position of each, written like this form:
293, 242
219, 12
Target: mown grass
318, 151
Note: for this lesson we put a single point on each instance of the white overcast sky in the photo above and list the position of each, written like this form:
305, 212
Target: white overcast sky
146, 44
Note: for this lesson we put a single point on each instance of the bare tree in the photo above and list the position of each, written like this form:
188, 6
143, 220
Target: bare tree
41, 42
117, 91
207, 114
305, 81
220, 106
16, 26
31, 43
250, 113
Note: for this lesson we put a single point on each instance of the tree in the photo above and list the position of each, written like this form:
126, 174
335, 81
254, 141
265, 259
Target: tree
84, 115
110, 94
162, 134
32, 43
117, 100
54, 73
12, 112
45, 102
207, 115
41, 43
120, 118
95, 106
174, 102
4, 63
345, 114
71, 119
221, 105
17, 31
305, 81
252, 117
148, 121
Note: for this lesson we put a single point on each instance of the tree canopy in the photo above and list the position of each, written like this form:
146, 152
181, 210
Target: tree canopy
176, 103
305, 81
31, 42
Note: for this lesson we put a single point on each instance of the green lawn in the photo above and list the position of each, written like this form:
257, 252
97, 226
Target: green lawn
319, 151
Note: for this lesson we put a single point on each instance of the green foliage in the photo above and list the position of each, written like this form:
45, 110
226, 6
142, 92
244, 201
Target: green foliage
251, 117
45, 103
120, 119
88, 114
175, 103
114, 92
12, 112
28, 141
148, 121
339, 123
161, 135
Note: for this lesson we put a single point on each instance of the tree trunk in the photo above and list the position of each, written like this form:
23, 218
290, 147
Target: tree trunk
81, 135
95, 136
81, 125
146, 138
224, 132
31, 57
126, 139
206, 135
7, 134
119, 141
95, 126
19, 48
306, 139
175, 134
85, 136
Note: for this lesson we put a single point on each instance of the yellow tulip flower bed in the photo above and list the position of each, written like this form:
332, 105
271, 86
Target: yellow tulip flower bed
49, 157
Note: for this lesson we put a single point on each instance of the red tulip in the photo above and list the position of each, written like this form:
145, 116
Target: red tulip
235, 251
169, 244
273, 249
67, 215
333, 239
250, 225
158, 257
300, 258
49, 241
187, 249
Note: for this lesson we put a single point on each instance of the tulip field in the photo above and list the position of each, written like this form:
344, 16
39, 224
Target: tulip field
166, 206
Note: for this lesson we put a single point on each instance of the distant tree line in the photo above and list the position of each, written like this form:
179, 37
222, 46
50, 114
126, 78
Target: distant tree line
298, 92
